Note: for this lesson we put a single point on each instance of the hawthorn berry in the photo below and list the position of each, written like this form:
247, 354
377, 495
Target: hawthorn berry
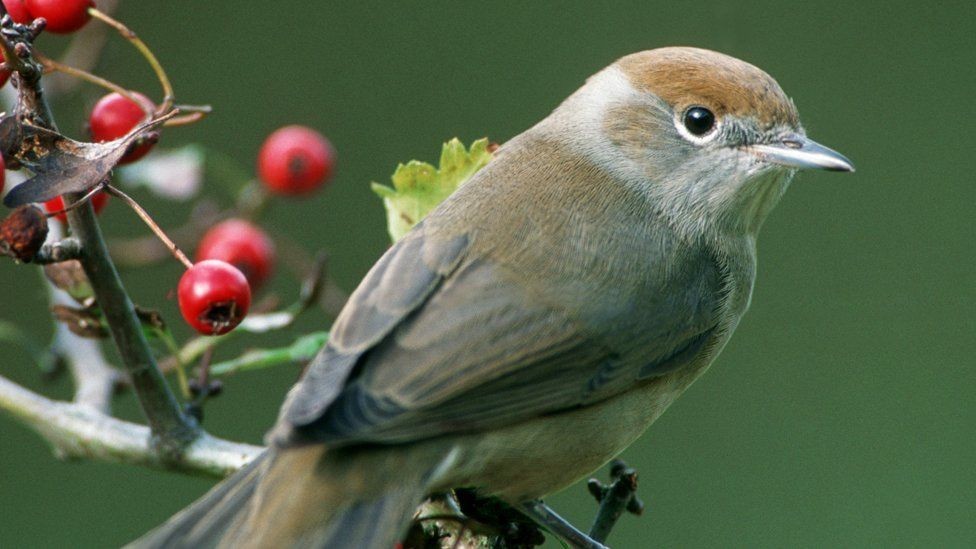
241, 244
63, 16
23, 233
295, 160
56, 204
114, 115
4, 74
214, 297
18, 11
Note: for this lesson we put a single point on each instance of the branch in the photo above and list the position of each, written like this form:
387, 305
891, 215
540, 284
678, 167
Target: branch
95, 379
619, 496
80, 431
83, 52
171, 428
60, 250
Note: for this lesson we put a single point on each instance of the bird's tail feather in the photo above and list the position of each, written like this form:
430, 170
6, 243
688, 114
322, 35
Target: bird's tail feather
205, 522
305, 498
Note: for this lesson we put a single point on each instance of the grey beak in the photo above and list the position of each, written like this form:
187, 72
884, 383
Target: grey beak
797, 151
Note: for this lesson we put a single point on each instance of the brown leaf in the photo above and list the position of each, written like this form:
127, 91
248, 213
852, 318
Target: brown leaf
85, 322
70, 277
150, 318
60, 164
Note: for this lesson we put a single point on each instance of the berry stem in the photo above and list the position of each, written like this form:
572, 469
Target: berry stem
57, 66
174, 349
128, 34
194, 113
77, 203
151, 223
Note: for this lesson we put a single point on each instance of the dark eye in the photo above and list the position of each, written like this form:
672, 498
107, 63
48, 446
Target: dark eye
699, 120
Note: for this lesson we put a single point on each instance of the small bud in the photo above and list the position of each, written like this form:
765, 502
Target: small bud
23, 233
216, 387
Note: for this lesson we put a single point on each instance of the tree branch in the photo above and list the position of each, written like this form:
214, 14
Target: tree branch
79, 431
171, 428
58, 251
619, 496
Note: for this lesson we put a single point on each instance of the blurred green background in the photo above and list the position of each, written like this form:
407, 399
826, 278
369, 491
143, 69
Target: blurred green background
841, 413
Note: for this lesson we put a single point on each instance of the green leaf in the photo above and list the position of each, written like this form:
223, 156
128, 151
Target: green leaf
418, 187
304, 348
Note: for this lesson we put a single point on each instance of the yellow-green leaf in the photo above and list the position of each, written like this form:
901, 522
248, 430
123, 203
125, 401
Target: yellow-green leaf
418, 187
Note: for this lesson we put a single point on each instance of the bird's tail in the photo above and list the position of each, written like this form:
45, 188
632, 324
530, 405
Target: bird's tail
203, 523
304, 497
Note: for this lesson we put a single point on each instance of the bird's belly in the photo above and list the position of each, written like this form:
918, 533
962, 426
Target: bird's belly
540, 456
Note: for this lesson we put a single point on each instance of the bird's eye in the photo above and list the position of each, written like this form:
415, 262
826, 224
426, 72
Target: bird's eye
699, 121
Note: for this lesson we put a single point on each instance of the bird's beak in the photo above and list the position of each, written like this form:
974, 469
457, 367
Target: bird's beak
797, 151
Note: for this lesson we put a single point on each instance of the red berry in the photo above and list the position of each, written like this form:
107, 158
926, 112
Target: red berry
4, 74
56, 204
18, 11
295, 160
241, 244
115, 115
213, 296
63, 16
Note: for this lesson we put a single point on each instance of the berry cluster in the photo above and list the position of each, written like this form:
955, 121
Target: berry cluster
234, 256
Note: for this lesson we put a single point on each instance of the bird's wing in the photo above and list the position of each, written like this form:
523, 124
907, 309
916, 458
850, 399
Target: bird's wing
435, 341
397, 285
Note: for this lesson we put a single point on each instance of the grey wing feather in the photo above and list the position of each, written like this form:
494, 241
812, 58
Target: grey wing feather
437, 341
479, 353
396, 285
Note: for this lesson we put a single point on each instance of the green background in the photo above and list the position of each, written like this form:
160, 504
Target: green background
841, 413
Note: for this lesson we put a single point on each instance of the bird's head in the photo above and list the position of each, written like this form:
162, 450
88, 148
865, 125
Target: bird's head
714, 141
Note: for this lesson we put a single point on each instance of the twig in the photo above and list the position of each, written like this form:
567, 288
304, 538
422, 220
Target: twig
128, 34
83, 52
77, 203
556, 525
194, 114
61, 250
614, 499
146, 250
57, 66
332, 298
80, 431
151, 223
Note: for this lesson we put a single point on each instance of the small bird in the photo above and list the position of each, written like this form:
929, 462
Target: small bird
537, 321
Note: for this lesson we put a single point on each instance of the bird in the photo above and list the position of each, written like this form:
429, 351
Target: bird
536, 322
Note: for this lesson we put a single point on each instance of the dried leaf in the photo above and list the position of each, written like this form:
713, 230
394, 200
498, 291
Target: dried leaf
313, 282
150, 318
60, 164
85, 322
70, 277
